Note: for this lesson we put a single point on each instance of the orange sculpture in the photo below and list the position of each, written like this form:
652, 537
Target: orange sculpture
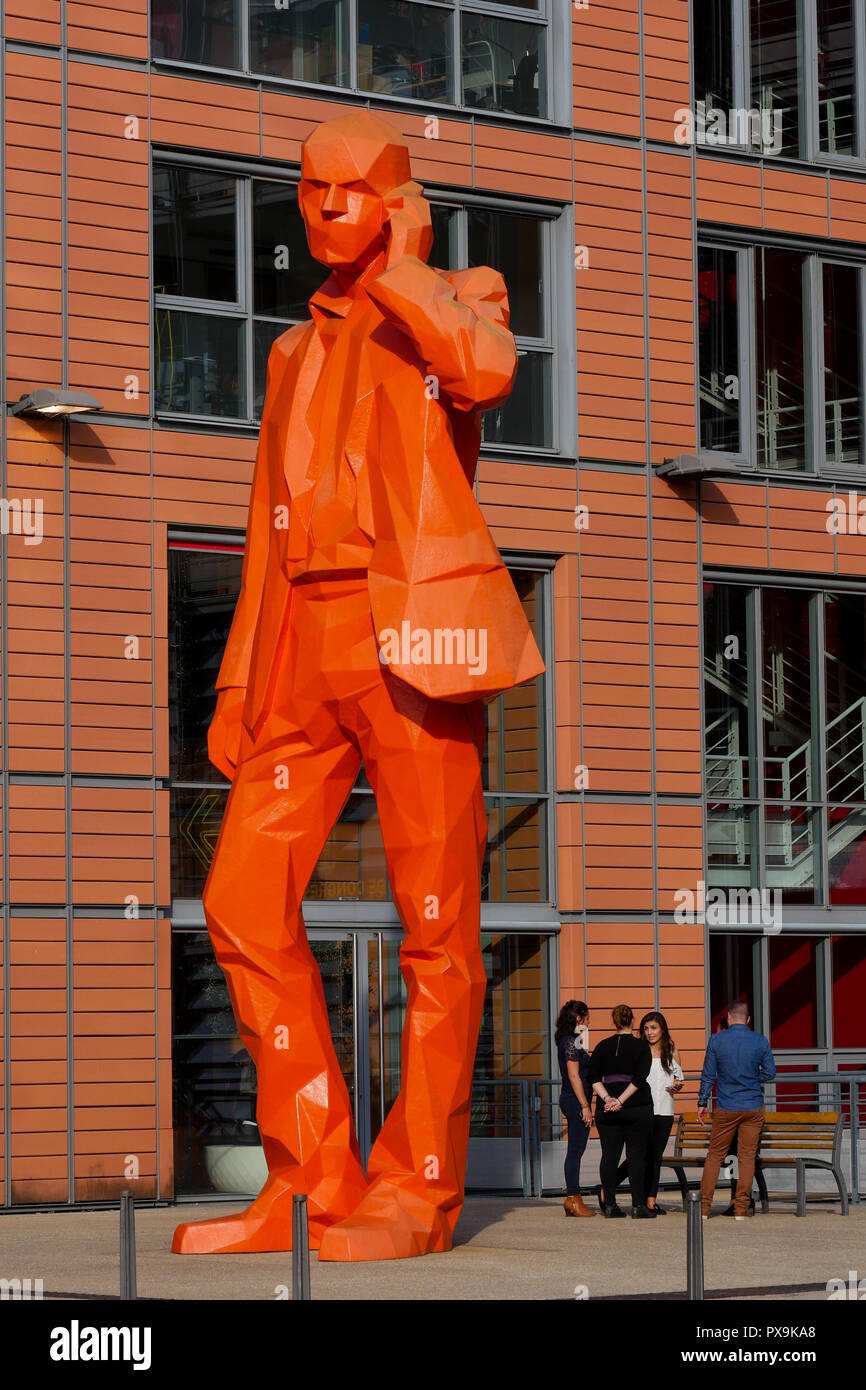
375, 616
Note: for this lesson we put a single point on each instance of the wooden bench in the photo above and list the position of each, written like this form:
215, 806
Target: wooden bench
789, 1139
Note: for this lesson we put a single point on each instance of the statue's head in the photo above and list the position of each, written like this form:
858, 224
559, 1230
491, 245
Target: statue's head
348, 166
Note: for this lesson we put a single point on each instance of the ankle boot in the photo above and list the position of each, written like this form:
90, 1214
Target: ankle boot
570, 1206
581, 1209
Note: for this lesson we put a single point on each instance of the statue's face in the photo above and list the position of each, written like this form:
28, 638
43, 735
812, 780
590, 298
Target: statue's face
344, 217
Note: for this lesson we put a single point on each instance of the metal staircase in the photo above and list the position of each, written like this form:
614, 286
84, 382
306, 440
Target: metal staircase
789, 842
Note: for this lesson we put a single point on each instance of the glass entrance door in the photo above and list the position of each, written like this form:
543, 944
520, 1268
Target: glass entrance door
217, 1146
365, 997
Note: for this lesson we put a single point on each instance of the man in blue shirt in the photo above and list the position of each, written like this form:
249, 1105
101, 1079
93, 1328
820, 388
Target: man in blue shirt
740, 1061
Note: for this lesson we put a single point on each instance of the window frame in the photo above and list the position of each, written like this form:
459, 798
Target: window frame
226, 540
836, 916
817, 254
550, 15
807, 51
556, 342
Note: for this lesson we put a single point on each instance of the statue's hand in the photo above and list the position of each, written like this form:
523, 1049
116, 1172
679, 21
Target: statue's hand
409, 229
224, 734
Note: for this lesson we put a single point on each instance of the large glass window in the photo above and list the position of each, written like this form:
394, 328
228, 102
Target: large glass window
493, 55
232, 271
848, 955
782, 356
804, 991
785, 741
204, 584
797, 78
719, 348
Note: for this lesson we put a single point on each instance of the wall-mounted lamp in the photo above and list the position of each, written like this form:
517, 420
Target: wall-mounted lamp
47, 401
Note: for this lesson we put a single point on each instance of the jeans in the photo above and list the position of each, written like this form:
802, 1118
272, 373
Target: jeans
659, 1136
633, 1128
578, 1136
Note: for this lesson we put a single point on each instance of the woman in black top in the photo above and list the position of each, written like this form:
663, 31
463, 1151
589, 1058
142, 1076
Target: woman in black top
574, 1097
618, 1072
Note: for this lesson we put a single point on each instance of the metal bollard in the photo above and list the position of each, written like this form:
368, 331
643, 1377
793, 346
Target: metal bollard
694, 1249
300, 1248
127, 1246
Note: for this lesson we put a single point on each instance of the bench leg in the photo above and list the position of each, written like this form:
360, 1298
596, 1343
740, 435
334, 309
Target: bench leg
801, 1187
843, 1191
762, 1186
684, 1186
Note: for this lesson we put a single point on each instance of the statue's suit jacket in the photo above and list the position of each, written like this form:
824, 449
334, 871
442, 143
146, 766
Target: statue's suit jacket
433, 350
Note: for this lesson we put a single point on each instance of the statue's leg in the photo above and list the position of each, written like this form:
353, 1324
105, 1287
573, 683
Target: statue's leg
423, 761
287, 794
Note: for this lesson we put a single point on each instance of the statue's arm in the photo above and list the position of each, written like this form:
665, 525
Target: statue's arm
235, 667
458, 325
224, 734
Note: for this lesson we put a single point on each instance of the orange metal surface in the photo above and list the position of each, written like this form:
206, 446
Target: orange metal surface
375, 616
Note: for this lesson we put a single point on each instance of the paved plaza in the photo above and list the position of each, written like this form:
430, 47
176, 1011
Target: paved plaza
506, 1248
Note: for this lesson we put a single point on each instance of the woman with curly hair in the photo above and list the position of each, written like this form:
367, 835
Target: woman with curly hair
574, 1097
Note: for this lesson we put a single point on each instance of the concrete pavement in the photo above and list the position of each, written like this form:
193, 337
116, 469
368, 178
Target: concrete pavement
506, 1248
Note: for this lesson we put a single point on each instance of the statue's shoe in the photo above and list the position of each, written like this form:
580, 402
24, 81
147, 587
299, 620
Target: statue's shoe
393, 1221
265, 1225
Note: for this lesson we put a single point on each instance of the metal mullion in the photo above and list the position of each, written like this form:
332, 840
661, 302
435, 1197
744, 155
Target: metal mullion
819, 732
547, 719
748, 358
245, 288
457, 197
860, 81
548, 299
741, 85
548, 281
381, 968
861, 358
807, 80
462, 239
813, 352
824, 993
245, 36
456, 93
489, 7
211, 307
757, 733
352, 40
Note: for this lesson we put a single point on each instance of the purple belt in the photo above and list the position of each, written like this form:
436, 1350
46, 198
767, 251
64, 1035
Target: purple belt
617, 1077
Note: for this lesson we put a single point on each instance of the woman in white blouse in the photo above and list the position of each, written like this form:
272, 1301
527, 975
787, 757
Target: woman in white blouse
666, 1077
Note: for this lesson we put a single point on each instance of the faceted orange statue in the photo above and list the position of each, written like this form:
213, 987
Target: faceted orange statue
375, 616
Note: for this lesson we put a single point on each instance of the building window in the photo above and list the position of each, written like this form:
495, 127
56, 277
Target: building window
472, 53
785, 742
232, 272
782, 358
787, 76
204, 582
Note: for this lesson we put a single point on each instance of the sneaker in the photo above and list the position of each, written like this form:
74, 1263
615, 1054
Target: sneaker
643, 1213
613, 1210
